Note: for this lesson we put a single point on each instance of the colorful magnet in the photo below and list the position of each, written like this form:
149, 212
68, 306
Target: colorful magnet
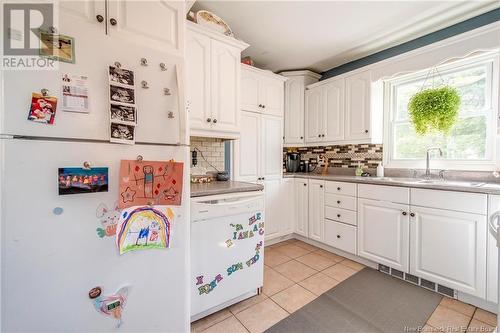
110, 305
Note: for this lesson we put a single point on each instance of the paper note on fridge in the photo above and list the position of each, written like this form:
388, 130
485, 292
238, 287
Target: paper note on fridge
150, 183
144, 227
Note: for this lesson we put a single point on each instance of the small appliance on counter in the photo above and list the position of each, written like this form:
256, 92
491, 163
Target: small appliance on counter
307, 167
292, 162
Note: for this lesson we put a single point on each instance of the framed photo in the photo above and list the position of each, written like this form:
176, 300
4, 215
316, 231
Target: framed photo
57, 47
123, 113
122, 133
80, 180
121, 76
121, 94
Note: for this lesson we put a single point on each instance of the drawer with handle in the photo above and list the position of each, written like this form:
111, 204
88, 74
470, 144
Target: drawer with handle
341, 215
340, 188
340, 236
340, 201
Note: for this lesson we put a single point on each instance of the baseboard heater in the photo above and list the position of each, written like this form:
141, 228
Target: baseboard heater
418, 281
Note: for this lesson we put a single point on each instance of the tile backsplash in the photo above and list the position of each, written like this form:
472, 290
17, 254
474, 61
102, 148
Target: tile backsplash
342, 156
213, 151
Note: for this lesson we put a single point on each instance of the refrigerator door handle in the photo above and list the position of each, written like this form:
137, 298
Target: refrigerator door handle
493, 225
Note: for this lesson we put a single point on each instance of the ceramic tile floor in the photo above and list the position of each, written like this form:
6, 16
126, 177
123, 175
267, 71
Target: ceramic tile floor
296, 273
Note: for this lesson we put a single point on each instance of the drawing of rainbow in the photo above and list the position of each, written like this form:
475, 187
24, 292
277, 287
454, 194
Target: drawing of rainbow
144, 228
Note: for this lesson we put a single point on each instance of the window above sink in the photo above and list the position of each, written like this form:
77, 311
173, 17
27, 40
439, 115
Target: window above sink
471, 144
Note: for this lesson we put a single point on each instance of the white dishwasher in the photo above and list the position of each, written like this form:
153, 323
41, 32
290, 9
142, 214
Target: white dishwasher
227, 250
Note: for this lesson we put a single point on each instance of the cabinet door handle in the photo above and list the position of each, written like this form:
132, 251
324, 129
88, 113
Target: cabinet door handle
263, 106
338, 236
366, 131
209, 120
321, 186
405, 213
305, 184
319, 135
113, 21
338, 202
99, 18
338, 215
339, 188
263, 178
301, 137
215, 121
412, 214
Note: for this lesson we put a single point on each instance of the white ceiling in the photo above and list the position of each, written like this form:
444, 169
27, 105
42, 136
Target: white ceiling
319, 35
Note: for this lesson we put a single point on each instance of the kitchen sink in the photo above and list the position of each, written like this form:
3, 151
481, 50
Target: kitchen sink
449, 183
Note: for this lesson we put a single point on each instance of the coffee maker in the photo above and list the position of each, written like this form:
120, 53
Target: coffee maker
292, 162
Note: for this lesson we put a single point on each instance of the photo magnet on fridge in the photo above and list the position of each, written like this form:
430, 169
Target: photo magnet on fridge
81, 180
121, 76
122, 133
57, 47
123, 114
121, 94
42, 109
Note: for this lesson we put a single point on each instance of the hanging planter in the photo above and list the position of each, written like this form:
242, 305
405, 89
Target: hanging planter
434, 109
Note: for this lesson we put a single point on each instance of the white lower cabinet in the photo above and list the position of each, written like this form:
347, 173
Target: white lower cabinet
301, 204
383, 232
340, 236
279, 203
316, 209
273, 203
449, 248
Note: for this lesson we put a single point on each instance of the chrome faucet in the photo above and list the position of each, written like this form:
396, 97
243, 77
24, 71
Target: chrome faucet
427, 169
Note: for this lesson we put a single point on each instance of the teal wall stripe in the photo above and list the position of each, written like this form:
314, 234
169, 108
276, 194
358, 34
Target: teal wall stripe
456, 29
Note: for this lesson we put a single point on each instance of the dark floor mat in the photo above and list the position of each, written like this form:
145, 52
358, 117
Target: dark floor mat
369, 301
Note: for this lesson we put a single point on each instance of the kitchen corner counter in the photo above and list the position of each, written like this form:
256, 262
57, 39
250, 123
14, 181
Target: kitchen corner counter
218, 187
452, 185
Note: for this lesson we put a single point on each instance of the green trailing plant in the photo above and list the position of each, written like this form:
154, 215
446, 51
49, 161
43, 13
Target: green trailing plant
434, 110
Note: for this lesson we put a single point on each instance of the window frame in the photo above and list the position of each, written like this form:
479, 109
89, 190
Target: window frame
492, 95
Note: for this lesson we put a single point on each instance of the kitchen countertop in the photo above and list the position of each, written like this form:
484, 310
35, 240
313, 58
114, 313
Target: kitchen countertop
452, 185
217, 187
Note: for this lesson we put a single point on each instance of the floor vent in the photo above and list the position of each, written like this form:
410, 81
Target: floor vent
398, 274
411, 278
418, 281
384, 269
428, 284
446, 291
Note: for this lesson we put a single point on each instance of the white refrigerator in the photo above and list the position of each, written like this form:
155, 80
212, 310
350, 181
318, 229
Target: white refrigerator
51, 254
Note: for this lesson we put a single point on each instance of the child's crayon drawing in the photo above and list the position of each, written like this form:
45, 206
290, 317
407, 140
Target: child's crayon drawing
144, 227
150, 182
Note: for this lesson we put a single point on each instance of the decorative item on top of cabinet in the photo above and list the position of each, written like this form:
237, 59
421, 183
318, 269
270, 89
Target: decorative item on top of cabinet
295, 88
213, 82
261, 91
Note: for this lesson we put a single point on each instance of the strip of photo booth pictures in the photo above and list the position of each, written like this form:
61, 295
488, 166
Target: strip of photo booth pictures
122, 105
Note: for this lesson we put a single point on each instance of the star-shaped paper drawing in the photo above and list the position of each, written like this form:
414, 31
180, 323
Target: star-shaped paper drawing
128, 195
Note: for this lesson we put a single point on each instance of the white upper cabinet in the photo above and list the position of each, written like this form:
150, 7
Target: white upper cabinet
295, 104
262, 91
198, 76
332, 125
258, 151
357, 116
313, 116
93, 11
213, 82
250, 91
247, 149
225, 87
271, 147
153, 23
343, 114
